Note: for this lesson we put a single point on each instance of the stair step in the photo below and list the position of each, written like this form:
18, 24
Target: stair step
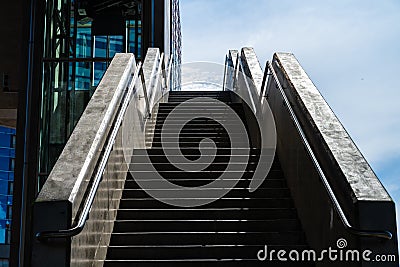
234, 193
268, 183
250, 238
202, 175
196, 135
217, 112
226, 232
218, 129
211, 214
146, 203
220, 113
192, 252
205, 226
196, 144
222, 166
166, 108
198, 92
218, 159
198, 182
216, 102
196, 151
173, 98
199, 106
204, 263
207, 122
210, 98
173, 137
204, 120
211, 95
207, 127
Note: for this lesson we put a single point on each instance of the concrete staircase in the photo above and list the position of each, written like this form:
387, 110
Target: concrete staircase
226, 232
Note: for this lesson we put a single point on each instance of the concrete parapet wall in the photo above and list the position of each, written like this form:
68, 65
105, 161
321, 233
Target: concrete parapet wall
63, 194
364, 200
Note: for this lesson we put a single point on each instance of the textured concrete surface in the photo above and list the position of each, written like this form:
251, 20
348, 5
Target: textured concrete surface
319, 221
363, 181
252, 68
63, 193
362, 197
150, 70
75, 164
138, 127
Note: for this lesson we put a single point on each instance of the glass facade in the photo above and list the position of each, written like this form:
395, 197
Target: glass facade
7, 164
77, 53
74, 62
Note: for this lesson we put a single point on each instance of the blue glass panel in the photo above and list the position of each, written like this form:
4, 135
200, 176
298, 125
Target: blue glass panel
7, 151
100, 46
2, 230
139, 26
84, 42
3, 207
4, 163
3, 187
83, 46
82, 76
99, 70
5, 139
139, 51
131, 37
4, 175
116, 45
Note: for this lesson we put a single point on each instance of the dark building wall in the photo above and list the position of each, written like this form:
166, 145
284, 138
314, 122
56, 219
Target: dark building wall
26, 25
12, 24
12, 63
155, 19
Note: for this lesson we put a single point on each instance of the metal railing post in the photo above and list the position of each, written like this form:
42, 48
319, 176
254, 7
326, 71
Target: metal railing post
146, 97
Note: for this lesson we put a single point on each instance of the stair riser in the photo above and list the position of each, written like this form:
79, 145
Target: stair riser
221, 203
269, 183
243, 193
202, 175
205, 226
212, 167
218, 252
295, 238
256, 214
207, 263
218, 160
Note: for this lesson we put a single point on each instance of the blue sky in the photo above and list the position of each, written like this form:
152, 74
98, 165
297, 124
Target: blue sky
350, 49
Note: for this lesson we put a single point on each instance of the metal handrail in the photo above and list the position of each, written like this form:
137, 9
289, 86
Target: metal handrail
168, 78
145, 95
368, 233
75, 230
83, 217
164, 75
